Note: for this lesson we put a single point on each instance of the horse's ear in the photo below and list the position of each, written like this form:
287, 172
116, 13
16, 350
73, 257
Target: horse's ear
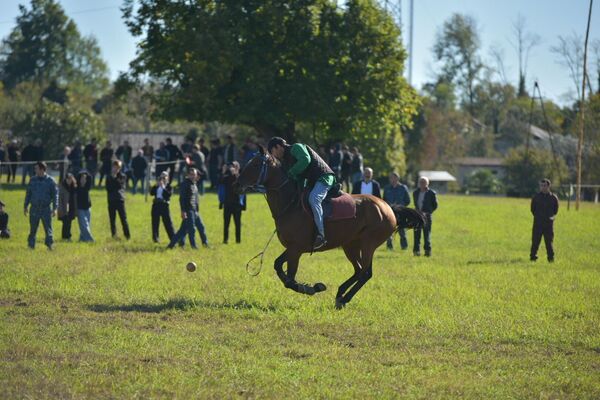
261, 149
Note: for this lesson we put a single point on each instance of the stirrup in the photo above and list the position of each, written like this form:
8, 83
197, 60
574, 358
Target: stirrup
319, 243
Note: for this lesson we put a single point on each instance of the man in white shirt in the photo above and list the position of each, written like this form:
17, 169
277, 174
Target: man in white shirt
367, 185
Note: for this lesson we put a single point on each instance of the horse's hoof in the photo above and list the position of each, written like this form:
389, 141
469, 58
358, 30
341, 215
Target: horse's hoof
320, 287
339, 303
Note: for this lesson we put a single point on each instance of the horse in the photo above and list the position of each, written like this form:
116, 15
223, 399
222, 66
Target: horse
359, 237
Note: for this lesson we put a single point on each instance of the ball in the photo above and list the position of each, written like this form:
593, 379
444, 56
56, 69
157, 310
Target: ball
191, 266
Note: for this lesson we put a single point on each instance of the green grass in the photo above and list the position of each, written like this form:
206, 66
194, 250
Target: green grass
119, 319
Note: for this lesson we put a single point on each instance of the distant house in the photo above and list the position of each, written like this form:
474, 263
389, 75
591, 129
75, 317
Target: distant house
438, 180
465, 167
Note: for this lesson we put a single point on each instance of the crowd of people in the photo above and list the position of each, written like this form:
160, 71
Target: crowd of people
192, 165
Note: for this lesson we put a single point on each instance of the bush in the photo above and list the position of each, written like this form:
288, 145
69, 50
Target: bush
484, 182
524, 171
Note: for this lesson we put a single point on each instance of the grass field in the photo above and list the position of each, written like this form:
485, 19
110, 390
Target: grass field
118, 319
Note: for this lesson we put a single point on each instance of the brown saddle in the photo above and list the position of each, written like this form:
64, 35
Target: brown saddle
337, 205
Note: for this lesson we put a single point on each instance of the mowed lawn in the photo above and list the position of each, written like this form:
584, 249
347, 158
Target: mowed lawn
124, 319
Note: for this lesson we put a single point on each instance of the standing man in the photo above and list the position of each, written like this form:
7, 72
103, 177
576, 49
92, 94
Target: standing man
90, 154
106, 156
215, 162
425, 201
335, 161
173, 154
356, 169
396, 194
115, 191
160, 207
303, 164
367, 185
544, 207
148, 150
161, 155
27, 156
13, 157
139, 165
188, 201
231, 202
75, 158
42, 196
230, 151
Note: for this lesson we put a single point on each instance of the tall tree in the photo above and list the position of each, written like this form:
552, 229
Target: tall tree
46, 46
270, 64
524, 42
457, 48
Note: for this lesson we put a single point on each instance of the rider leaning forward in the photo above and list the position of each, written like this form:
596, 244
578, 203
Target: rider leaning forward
306, 167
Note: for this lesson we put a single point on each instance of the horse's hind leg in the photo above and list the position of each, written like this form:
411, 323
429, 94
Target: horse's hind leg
365, 274
279, 261
352, 252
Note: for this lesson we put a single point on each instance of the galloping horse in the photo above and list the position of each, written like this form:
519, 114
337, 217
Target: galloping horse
375, 221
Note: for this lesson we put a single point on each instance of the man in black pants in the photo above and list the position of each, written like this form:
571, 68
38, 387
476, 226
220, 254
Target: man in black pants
232, 203
115, 190
544, 207
425, 200
160, 206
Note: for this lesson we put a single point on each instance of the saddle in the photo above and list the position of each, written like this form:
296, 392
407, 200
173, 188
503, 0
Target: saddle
336, 205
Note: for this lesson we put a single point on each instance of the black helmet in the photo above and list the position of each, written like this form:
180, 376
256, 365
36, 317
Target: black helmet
275, 141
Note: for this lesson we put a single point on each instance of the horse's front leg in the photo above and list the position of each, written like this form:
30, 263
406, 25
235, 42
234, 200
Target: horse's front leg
293, 260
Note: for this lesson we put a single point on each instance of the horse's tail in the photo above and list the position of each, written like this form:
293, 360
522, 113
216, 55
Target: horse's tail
408, 217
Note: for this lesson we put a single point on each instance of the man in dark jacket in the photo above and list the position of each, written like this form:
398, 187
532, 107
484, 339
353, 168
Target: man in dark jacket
397, 194
115, 190
231, 202
303, 164
544, 207
90, 154
174, 154
367, 185
42, 196
160, 207
4, 231
27, 156
139, 166
425, 201
106, 156
188, 201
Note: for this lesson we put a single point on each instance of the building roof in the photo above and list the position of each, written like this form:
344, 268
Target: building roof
437, 176
480, 161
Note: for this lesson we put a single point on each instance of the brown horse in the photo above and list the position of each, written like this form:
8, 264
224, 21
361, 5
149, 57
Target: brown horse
375, 221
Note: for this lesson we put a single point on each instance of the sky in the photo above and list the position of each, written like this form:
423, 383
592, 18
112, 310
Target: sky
547, 18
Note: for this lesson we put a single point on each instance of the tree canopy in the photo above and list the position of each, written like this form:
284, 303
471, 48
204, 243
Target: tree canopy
45, 46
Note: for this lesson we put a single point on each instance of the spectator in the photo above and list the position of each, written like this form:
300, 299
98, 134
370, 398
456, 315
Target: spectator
368, 185
198, 162
215, 162
43, 198
75, 158
148, 150
90, 154
139, 167
28, 158
396, 194
115, 190
230, 151
187, 149
106, 156
249, 151
188, 201
84, 206
173, 155
2, 157
346, 167
38, 150
335, 161
13, 157
425, 200
4, 231
544, 207
203, 148
161, 156
356, 169
65, 164
124, 153
67, 204
160, 207
231, 202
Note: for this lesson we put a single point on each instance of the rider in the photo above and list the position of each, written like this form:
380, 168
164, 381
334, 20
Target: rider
303, 163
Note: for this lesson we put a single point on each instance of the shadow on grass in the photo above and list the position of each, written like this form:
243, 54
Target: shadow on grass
511, 261
179, 304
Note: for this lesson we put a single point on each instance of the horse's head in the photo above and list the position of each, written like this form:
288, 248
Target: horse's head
257, 174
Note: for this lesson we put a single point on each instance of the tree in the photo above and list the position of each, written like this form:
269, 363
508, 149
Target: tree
46, 46
57, 125
524, 42
569, 51
525, 169
456, 48
277, 66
